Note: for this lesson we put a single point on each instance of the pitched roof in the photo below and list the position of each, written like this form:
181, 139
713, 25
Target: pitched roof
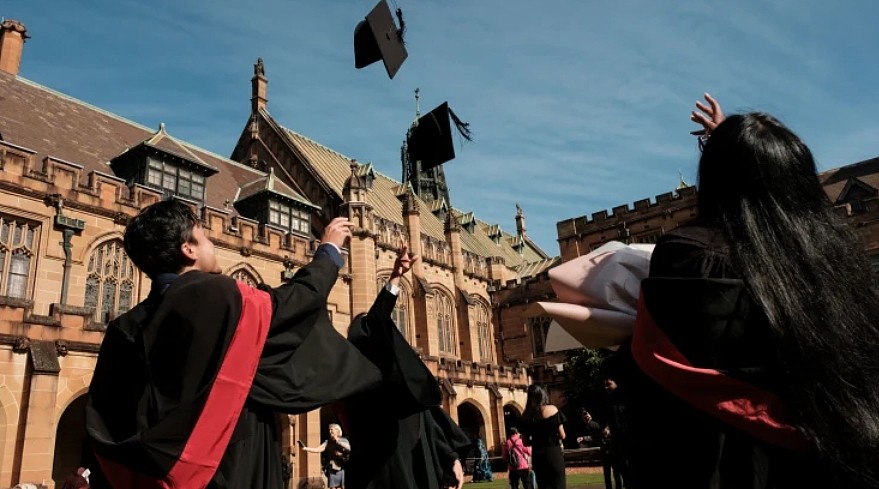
335, 168
57, 125
270, 183
531, 269
834, 181
163, 141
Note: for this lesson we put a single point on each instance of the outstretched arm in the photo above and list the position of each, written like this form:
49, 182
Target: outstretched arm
319, 449
387, 298
305, 362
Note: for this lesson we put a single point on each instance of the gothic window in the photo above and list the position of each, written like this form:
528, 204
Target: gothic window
444, 323
17, 238
175, 180
243, 275
482, 333
109, 286
538, 327
289, 218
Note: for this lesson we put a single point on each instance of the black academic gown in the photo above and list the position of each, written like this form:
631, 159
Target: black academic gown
701, 305
402, 439
158, 362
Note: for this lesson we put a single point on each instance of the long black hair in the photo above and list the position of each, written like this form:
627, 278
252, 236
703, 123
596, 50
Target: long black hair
537, 398
805, 267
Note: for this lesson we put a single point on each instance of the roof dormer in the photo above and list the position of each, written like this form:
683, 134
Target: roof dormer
271, 201
165, 164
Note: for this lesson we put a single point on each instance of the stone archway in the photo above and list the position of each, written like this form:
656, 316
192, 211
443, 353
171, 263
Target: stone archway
69, 438
471, 420
512, 414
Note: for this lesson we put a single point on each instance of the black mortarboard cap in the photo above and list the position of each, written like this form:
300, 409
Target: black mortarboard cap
430, 141
378, 38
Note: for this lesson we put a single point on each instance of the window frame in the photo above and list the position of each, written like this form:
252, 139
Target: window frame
172, 178
290, 217
18, 237
538, 347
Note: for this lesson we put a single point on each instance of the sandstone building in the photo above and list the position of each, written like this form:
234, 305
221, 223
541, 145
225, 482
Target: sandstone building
71, 175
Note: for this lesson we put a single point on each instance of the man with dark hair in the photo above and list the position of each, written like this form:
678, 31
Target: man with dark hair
188, 382
598, 437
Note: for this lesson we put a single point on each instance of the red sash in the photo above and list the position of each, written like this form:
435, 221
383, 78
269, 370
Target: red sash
755, 411
209, 438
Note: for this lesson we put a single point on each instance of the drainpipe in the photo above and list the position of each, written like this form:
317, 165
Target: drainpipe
69, 228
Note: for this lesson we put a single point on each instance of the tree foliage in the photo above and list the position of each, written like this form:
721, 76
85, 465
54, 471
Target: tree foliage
585, 380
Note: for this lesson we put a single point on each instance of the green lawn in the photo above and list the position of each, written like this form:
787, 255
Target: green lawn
574, 481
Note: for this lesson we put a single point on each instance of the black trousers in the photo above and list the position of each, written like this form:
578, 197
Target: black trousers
523, 475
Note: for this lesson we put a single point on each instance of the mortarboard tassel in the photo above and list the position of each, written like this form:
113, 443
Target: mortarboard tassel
463, 127
402, 30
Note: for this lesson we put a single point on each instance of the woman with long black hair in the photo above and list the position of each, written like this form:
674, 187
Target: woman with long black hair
542, 428
757, 337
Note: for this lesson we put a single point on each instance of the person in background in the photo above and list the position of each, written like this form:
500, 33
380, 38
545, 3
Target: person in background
518, 458
482, 468
542, 425
338, 450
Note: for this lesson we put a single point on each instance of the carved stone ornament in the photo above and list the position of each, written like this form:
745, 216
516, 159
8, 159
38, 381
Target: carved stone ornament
21, 345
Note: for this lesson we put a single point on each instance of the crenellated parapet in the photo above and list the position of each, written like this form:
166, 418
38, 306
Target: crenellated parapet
471, 373
642, 209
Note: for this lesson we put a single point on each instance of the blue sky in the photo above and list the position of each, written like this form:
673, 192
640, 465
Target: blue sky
576, 106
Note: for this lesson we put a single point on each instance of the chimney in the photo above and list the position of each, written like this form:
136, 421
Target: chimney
259, 87
12, 37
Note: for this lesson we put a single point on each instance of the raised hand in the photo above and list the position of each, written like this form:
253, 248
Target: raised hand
709, 118
404, 261
338, 232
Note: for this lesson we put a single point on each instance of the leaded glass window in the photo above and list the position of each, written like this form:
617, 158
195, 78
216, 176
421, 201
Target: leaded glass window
539, 326
17, 238
289, 218
483, 334
444, 323
175, 180
110, 283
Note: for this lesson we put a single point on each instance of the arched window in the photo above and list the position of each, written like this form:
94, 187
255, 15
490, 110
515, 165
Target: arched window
243, 275
110, 282
483, 334
539, 326
444, 323
17, 239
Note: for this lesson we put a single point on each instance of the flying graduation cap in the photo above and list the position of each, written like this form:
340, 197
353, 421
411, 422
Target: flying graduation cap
378, 38
430, 140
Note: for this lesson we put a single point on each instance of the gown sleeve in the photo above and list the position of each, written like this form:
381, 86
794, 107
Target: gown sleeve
306, 363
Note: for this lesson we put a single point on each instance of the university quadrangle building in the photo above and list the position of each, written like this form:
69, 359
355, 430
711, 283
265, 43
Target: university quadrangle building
72, 175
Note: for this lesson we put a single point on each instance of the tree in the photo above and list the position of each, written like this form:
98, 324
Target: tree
585, 369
